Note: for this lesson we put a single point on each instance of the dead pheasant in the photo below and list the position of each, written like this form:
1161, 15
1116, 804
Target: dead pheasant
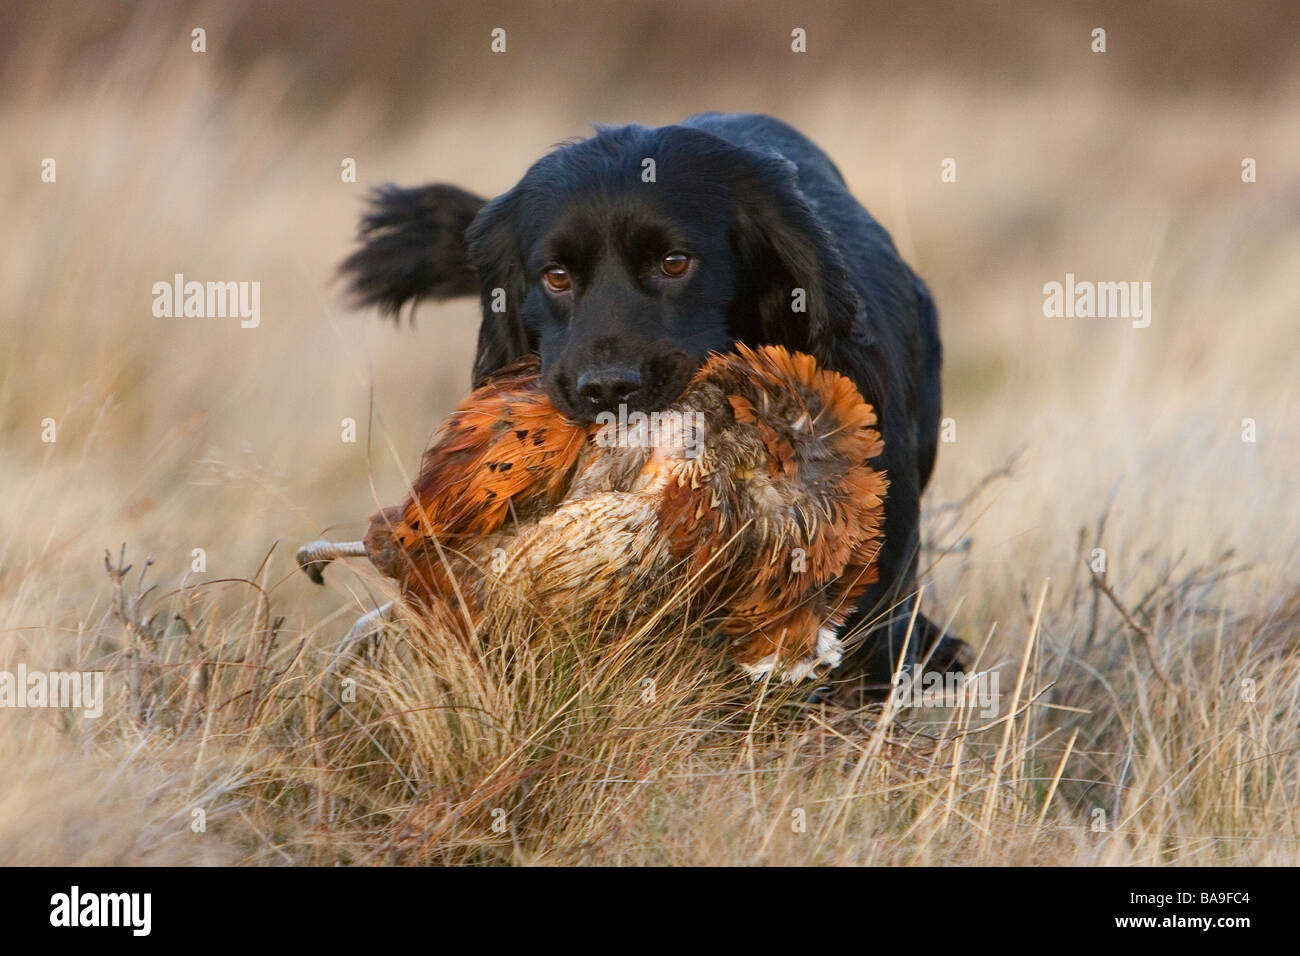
751, 499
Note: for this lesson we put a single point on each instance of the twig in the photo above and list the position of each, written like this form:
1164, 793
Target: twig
1144, 632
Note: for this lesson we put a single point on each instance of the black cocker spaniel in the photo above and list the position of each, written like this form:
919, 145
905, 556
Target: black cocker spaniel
624, 259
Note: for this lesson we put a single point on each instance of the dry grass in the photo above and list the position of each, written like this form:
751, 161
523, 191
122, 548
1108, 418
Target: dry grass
183, 434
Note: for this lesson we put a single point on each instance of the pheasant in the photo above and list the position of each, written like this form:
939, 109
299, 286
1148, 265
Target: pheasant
750, 499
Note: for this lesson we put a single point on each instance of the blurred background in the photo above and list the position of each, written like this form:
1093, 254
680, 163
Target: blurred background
176, 434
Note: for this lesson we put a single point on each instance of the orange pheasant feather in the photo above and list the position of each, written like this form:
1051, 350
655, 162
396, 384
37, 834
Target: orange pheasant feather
755, 487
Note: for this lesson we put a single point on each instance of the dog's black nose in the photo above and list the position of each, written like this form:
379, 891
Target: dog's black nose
606, 388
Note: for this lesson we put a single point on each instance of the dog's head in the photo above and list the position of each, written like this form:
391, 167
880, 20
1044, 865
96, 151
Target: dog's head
626, 258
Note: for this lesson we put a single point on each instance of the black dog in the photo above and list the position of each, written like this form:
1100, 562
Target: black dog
624, 259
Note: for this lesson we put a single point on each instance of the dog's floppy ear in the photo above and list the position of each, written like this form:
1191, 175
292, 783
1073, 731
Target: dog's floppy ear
794, 284
413, 247
495, 252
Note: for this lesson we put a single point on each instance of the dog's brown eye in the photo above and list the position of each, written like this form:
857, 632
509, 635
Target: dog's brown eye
675, 264
556, 279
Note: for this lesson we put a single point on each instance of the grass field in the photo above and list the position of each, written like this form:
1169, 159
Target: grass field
1165, 732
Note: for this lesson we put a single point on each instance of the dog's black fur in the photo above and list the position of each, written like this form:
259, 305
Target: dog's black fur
761, 212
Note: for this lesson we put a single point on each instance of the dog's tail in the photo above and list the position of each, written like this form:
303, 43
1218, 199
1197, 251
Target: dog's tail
413, 247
